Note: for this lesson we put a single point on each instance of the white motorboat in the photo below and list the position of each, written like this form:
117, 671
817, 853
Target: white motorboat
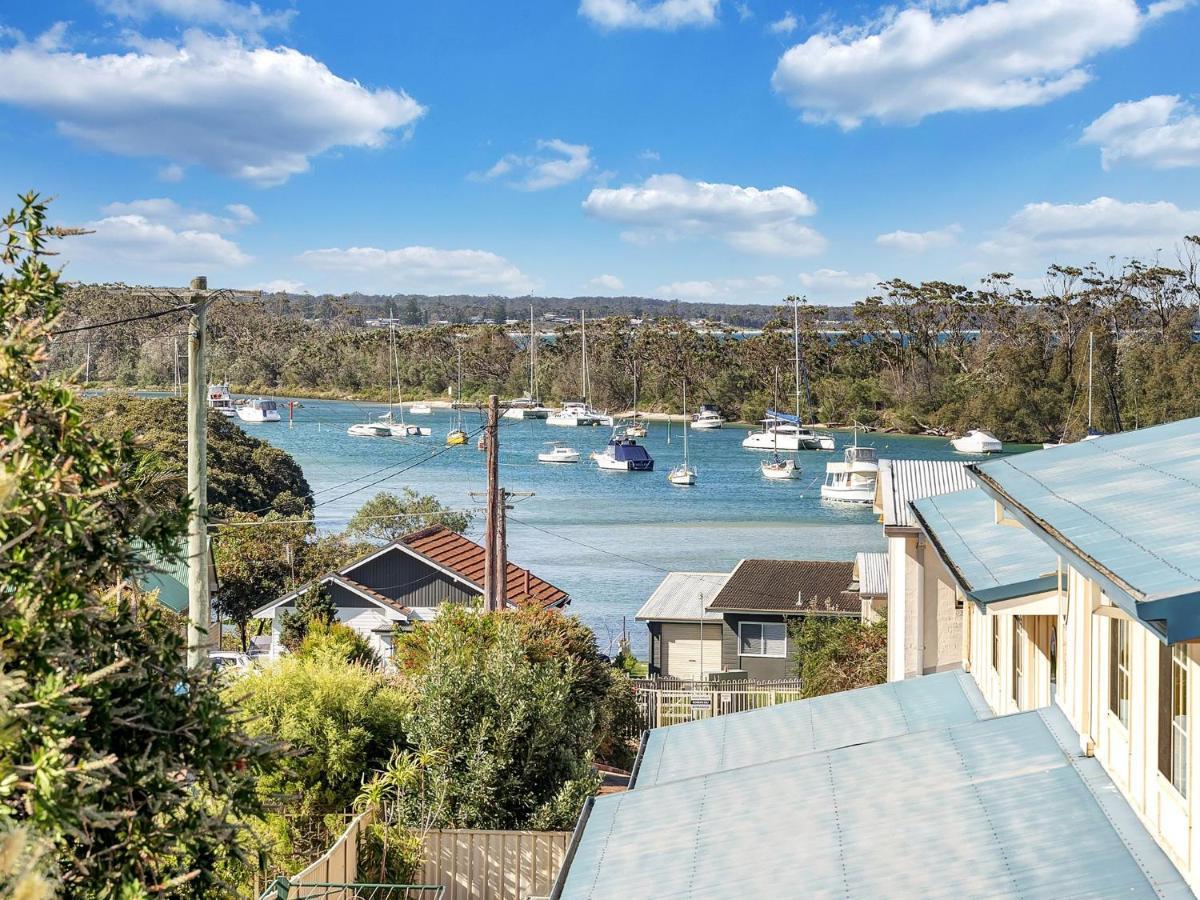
559, 453
624, 454
258, 410
853, 479
420, 409
528, 407
708, 418
778, 467
977, 441
369, 429
684, 475
221, 400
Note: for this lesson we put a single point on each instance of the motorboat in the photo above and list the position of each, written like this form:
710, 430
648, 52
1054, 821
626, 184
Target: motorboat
779, 468
258, 410
684, 475
558, 453
370, 429
781, 431
420, 409
853, 479
576, 414
624, 454
977, 441
708, 418
221, 400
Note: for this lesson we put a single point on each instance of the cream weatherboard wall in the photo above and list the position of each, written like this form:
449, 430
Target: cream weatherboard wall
924, 609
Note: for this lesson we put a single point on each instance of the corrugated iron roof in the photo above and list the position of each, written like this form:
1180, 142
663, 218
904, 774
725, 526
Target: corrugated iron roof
466, 558
979, 552
803, 726
170, 578
789, 586
871, 569
1002, 807
903, 480
1124, 506
683, 597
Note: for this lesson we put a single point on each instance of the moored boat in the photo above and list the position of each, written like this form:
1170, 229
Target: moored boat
853, 479
624, 454
558, 453
779, 468
221, 400
258, 411
420, 409
708, 418
369, 429
977, 441
684, 475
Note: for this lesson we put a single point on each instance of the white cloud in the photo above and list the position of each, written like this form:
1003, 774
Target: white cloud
786, 25
607, 283
171, 173
1091, 232
421, 269
1160, 131
649, 155
666, 15
724, 288
764, 222
252, 113
241, 213
914, 63
249, 18
568, 163
837, 286
164, 211
280, 286
919, 241
745, 13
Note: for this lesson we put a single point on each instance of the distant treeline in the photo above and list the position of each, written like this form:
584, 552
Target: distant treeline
932, 356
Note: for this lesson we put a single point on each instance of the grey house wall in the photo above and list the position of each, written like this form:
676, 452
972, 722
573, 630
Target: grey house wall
655, 655
412, 582
756, 666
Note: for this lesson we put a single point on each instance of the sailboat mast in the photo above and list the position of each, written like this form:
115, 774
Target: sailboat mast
685, 425
583, 372
532, 356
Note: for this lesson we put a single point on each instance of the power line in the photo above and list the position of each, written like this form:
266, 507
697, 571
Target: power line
563, 537
259, 523
153, 315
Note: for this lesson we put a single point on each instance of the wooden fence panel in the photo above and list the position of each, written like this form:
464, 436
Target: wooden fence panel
477, 864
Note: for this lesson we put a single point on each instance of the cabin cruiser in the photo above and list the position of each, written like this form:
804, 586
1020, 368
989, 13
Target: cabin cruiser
624, 454
525, 408
420, 409
709, 417
977, 441
220, 399
853, 479
370, 429
781, 431
559, 453
779, 468
577, 414
258, 410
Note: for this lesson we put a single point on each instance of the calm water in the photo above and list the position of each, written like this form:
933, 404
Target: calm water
607, 538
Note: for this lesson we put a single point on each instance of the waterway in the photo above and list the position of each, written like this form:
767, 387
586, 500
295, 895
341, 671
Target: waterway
607, 538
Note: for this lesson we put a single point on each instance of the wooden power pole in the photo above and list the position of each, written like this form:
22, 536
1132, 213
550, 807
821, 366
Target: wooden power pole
495, 562
199, 614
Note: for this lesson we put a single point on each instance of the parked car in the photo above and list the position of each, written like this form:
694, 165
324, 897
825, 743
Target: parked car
229, 662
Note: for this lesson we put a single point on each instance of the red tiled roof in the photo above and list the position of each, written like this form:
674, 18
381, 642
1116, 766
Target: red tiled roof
465, 558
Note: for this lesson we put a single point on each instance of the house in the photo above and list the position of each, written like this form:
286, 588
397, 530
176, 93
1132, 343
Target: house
169, 577
405, 582
923, 613
761, 596
871, 582
685, 636
907, 789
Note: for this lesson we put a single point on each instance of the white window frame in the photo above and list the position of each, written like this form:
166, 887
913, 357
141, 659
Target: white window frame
763, 638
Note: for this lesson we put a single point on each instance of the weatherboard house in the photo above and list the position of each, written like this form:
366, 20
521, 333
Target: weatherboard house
407, 581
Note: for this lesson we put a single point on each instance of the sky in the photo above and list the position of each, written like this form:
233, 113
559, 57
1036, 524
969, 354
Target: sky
692, 149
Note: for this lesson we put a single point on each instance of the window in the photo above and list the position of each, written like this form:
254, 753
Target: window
1118, 669
1173, 715
996, 643
762, 639
1018, 670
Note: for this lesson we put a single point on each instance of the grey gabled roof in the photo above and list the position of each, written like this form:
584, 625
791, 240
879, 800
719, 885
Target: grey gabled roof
901, 481
683, 597
872, 572
790, 586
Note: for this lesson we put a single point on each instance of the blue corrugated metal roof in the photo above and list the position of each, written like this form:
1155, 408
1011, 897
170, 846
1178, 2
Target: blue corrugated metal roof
1121, 506
684, 597
982, 554
997, 808
802, 726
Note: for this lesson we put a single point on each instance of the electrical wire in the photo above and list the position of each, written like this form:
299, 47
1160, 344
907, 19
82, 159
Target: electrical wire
563, 537
313, 520
153, 315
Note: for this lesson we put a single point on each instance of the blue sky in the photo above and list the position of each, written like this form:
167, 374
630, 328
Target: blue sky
700, 149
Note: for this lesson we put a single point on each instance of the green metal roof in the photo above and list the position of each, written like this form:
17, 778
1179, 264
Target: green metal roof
169, 578
1122, 509
990, 561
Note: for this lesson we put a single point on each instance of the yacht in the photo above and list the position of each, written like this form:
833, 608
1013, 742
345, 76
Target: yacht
220, 399
258, 410
576, 413
369, 429
635, 428
709, 417
685, 475
528, 407
779, 468
624, 454
781, 431
977, 441
420, 409
558, 453
401, 428
456, 437
853, 479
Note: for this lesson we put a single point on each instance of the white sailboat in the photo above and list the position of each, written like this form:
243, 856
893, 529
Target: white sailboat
779, 468
394, 418
853, 479
635, 428
457, 437
576, 413
420, 408
685, 475
1091, 434
528, 407
369, 429
782, 431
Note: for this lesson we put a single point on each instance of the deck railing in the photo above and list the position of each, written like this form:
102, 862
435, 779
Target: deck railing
660, 706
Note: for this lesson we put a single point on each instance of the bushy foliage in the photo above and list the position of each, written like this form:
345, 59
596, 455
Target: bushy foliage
835, 654
337, 642
314, 606
386, 517
125, 765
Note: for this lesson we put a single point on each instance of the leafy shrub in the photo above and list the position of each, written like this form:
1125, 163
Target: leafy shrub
839, 654
334, 641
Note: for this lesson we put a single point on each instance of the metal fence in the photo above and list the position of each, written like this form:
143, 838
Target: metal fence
477, 864
341, 890
660, 706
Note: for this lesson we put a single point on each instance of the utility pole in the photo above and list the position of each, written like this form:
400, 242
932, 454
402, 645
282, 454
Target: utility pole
177, 384
87, 366
495, 564
199, 614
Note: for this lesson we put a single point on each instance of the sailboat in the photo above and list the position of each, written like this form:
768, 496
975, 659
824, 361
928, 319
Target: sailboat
777, 467
1092, 433
635, 428
576, 413
684, 475
399, 428
457, 436
782, 431
528, 407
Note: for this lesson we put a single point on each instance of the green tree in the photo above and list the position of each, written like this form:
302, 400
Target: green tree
412, 313
126, 765
386, 517
313, 606
338, 642
835, 654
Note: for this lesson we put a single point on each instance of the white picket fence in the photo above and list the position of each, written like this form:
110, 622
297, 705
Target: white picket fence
662, 706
